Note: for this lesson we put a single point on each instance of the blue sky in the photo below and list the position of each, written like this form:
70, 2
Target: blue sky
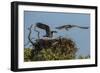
80, 36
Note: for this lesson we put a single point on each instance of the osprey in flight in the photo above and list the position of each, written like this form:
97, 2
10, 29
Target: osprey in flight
67, 27
47, 29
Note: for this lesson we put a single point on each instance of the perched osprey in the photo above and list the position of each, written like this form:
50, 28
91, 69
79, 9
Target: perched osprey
67, 27
47, 29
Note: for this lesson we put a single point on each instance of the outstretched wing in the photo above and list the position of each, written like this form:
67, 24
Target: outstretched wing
44, 27
61, 27
69, 26
80, 27
84, 27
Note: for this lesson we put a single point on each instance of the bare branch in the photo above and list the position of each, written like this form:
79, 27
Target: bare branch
37, 32
29, 36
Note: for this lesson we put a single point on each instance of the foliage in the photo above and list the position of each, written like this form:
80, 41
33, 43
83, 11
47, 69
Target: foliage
84, 57
27, 54
55, 49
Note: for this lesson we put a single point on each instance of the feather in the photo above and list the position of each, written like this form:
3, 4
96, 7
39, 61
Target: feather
67, 27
